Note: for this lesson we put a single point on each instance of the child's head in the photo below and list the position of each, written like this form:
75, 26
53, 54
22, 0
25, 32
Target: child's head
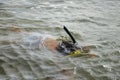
66, 47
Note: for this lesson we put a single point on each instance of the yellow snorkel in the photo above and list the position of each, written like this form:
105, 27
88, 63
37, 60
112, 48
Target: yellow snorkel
75, 53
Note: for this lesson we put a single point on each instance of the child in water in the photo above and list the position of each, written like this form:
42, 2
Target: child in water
66, 47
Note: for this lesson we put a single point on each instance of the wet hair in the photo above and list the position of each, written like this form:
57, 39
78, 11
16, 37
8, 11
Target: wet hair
66, 47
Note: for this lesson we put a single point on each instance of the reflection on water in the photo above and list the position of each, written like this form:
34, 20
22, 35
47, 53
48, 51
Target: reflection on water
94, 23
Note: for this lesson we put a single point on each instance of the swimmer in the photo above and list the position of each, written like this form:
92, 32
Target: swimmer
65, 47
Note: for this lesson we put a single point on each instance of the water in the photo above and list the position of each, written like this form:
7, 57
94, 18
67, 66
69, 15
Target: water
93, 22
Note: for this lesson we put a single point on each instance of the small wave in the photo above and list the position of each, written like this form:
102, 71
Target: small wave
88, 21
2, 71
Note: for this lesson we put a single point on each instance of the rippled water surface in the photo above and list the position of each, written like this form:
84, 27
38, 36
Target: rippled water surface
93, 22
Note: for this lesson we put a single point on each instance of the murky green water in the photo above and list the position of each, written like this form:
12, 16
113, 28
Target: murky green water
93, 22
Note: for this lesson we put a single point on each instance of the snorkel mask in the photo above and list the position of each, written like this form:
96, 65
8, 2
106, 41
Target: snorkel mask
66, 47
70, 47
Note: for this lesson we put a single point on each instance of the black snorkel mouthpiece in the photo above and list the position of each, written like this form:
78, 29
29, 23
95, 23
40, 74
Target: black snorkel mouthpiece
70, 35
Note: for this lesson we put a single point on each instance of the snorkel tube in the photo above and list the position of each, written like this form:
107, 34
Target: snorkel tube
70, 35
